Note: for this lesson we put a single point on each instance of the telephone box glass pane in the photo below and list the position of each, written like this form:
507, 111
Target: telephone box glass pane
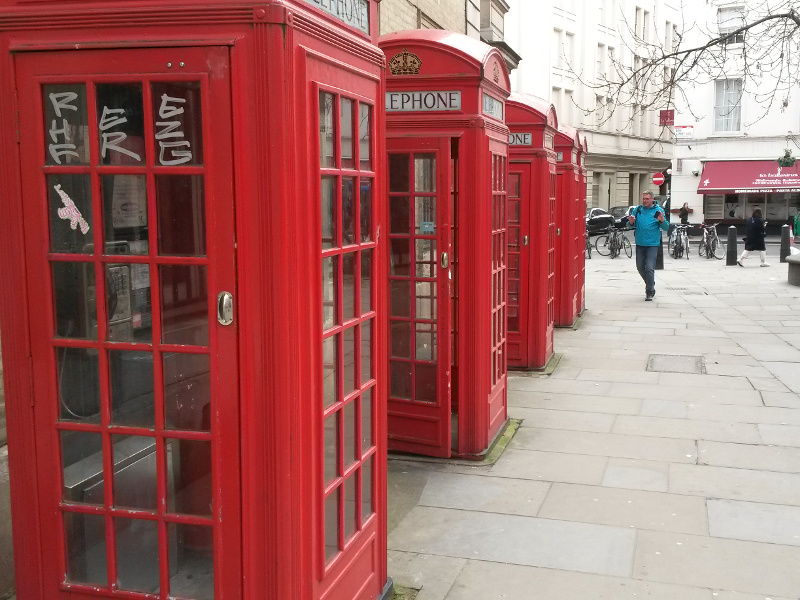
366, 351
366, 210
400, 257
137, 554
74, 303
364, 127
132, 388
349, 286
82, 460
191, 561
187, 392
424, 173
348, 211
189, 477
331, 449
332, 525
125, 213
70, 213
178, 123
399, 219
350, 429
86, 548
366, 488
326, 130
366, 281
425, 258
401, 339
426, 341
135, 472
426, 300
350, 506
425, 215
399, 172
129, 311
66, 124
349, 362
181, 215
366, 421
330, 355
401, 298
120, 123
184, 304
329, 276
426, 381
78, 380
328, 195
346, 126
400, 379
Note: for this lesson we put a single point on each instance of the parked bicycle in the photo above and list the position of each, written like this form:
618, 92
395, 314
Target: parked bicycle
679, 242
588, 247
613, 243
710, 246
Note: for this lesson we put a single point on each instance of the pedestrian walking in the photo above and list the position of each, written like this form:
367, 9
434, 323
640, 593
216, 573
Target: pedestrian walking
684, 214
648, 221
754, 238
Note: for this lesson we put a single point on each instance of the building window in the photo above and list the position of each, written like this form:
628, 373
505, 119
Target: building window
668, 36
599, 110
728, 105
646, 27
637, 23
601, 62
558, 51
566, 116
728, 21
569, 48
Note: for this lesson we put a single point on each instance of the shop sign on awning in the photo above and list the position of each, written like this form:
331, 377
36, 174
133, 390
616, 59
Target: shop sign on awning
748, 176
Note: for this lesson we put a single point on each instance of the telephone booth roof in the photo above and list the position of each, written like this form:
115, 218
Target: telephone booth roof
524, 109
568, 142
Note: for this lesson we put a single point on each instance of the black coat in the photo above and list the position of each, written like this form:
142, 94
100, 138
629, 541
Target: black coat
755, 234
684, 215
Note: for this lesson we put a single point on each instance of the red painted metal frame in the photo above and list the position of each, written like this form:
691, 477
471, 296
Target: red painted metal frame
279, 51
581, 225
529, 117
570, 221
451, 61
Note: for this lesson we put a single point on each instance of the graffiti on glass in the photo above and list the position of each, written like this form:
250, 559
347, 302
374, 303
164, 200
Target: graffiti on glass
62, 101
170, 135
71, 212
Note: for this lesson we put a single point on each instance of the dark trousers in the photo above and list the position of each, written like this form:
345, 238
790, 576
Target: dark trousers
646, 265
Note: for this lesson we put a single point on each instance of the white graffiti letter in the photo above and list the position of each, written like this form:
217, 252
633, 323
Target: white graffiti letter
182, 156
111, 141
167, 111
61, 100
169, 130
108, 120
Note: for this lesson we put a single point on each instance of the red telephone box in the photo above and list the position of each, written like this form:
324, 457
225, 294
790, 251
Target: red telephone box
447, 146
584, 149
531, 230
195, 346
569, 229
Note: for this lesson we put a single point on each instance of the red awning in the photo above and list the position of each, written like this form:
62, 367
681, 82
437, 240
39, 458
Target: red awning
743, 176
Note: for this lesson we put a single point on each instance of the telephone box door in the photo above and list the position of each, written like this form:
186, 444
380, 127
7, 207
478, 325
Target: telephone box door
420, 285
128, 192
519, 190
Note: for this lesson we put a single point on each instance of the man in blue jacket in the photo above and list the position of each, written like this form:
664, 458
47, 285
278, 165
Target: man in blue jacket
648, 220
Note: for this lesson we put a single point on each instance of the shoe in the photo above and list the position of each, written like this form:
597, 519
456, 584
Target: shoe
648, 296
764, 264
739, 262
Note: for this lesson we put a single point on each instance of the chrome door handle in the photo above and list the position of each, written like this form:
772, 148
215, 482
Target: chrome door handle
225, 308
524, 240
445, 260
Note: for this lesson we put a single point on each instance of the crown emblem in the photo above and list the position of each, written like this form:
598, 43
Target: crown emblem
496, 73
405, 63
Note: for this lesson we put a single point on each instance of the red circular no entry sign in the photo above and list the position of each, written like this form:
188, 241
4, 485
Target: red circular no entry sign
658, 179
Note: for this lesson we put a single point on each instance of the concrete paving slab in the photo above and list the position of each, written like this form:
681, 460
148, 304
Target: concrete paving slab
745, 414
591, 388
579, 403
739, 370
597, 374
732, 565
781, 399
519, 540
689, 393
748, 456
770, 523
550, 466
664, 408
564, 419
780, 435
787, 373
627, 364
566, 373
779, 351
432, 575
605, 444
637, 474
481, 580
727, 595
489, 494
735, 484
696, 380
687, 429
626, 508
615, 337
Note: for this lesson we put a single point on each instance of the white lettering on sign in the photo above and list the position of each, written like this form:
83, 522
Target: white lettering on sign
62, 101
170, 130
492, 107
422, 101
520, 139
113, 139
351, 12
70, 211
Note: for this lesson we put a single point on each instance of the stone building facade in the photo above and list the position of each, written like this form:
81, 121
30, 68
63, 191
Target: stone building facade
461, 16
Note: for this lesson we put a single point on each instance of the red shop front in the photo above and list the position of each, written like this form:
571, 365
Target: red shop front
570, 224
447, 147
194, 348
531, 230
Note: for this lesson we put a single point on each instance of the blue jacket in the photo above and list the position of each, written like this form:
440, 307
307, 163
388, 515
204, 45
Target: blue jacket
648, 229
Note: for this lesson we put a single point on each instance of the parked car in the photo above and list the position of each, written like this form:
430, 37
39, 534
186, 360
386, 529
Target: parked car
621, 214
598, 220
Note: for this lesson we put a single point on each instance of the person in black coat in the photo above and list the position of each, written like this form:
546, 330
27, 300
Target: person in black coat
684, 213
755, 233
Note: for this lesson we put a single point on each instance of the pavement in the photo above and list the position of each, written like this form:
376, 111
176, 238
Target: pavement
661, 459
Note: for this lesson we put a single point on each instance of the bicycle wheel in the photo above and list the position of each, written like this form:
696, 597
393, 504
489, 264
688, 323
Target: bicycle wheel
717, 249
701, 249
626, 245
588, 248
601, 245
671, 241
674, 251
614, 244
685, 239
